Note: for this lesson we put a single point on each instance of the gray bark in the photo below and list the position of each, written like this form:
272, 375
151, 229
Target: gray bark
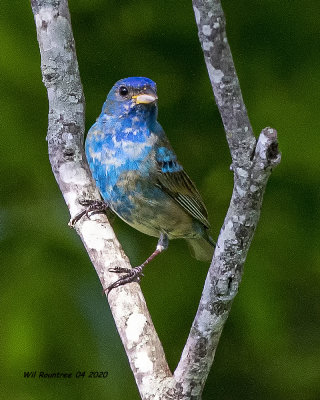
252, 162
61, 77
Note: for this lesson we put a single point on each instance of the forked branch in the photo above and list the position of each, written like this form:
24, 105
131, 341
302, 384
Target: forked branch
252, 162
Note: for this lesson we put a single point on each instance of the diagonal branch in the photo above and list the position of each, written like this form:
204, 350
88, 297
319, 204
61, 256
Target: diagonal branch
252, 164
61, 77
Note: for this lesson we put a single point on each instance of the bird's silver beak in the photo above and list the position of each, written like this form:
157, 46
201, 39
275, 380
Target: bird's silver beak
145, 98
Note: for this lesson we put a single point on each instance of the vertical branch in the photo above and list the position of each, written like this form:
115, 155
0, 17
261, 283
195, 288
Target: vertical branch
252, 163
211, 24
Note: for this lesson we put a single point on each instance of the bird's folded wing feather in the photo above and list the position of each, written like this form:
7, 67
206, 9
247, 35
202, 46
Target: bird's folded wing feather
180, 187
175, 182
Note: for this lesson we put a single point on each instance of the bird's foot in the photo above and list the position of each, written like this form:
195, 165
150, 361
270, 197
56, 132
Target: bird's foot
135, 274
92, 207
131, 275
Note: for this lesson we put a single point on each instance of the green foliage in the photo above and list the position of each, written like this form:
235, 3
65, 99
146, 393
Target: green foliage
53, 317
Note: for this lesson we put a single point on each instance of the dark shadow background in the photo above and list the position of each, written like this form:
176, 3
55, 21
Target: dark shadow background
53, 317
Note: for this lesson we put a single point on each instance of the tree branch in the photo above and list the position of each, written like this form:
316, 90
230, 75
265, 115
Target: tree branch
251, 162
61, 77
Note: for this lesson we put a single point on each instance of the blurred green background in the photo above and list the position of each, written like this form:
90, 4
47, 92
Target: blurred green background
53, 317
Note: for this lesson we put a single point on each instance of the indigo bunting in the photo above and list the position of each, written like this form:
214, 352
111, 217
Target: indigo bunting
139, 177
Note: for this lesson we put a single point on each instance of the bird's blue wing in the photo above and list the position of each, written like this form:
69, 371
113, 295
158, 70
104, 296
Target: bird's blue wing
176, 183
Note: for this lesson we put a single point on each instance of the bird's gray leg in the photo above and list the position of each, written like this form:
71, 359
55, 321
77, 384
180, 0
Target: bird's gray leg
92, 207
135, 274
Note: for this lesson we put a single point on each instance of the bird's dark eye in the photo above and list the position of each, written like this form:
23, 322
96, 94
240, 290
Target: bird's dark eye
123, 91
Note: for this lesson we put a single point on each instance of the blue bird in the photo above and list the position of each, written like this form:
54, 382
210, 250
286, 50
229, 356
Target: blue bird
139, 177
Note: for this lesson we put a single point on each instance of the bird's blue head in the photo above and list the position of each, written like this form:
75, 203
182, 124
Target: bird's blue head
135, 96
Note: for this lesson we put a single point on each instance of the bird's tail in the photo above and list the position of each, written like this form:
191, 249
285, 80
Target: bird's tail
201, 249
